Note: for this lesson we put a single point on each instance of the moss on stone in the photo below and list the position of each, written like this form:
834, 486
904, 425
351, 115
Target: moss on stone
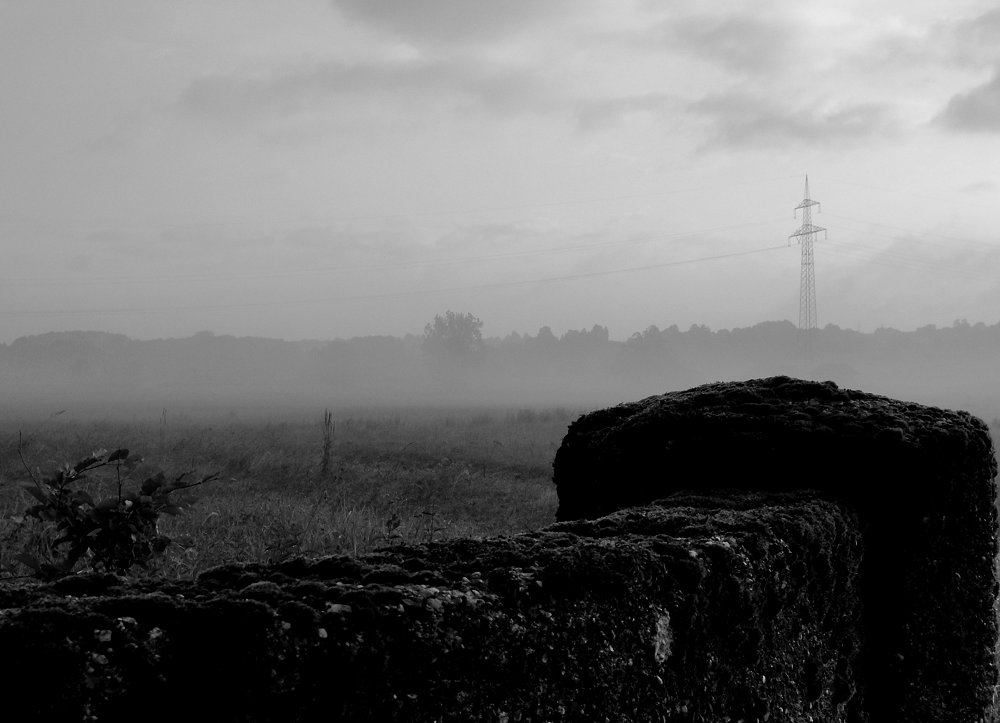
693, 578
676, 613
921, 478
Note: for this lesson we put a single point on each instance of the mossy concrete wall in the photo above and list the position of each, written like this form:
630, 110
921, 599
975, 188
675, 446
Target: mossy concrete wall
922, 480
736, 608
772, 550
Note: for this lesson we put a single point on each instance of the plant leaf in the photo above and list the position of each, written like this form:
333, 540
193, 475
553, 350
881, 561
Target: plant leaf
84, 463
118, 454
152, 484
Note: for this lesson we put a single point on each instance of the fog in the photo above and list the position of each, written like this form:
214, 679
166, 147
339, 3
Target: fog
322, 169
100, 375
343, 171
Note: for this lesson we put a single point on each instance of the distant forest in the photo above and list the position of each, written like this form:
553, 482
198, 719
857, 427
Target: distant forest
452, 364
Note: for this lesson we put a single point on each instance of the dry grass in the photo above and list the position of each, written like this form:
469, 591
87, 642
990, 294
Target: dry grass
403, 476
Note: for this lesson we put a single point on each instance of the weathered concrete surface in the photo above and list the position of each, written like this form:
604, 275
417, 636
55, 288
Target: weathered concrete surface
743, 607
922, 479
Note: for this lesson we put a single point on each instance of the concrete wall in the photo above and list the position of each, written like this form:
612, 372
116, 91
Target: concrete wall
921, 479
740, 608
691, 579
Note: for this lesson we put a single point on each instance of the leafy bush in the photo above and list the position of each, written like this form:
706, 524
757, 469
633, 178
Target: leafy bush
481, 474
112, 534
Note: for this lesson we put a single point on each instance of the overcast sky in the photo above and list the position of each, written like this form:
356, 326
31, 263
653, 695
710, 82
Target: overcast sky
330, 168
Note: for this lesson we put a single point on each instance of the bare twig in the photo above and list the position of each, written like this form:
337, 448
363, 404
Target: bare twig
328, 428
23, 462
39, 428
118, 472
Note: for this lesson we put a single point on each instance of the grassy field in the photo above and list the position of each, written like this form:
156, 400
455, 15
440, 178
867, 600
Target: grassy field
392, 476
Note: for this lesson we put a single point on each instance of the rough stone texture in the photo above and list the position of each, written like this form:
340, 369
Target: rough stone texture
921, 478
742, 607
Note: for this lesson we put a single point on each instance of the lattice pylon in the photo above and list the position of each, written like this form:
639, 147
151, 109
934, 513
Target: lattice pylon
806, 235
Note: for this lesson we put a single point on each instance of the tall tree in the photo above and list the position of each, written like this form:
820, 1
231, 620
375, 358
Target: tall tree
454, 336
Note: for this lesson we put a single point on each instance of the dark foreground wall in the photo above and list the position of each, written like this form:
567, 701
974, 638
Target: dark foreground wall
771, 550
921, 478
726, 609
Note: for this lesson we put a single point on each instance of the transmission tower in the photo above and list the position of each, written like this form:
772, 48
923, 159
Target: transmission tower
805, 235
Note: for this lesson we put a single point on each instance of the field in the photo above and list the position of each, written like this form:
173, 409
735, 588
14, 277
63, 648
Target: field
391, 476
300, 484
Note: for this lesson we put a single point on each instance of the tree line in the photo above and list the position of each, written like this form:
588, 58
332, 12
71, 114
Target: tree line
452, 362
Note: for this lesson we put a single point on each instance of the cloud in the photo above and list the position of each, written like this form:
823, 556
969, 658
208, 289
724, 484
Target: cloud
981, 187
976, 111
930, 45
745, 43
746, 121
974, 40
324, 87
452, 21
597, 114
338, 89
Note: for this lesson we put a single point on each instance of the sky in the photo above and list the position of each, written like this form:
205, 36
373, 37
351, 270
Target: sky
314, 169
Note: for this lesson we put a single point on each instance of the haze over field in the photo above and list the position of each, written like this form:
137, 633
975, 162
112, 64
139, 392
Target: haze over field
91, 373
335, 168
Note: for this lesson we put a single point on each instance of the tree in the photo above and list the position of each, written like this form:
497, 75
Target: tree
454, 336
648, 339
546, 337
596, 337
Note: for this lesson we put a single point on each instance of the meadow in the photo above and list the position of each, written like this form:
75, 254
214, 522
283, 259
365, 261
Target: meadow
347, 482
297, 484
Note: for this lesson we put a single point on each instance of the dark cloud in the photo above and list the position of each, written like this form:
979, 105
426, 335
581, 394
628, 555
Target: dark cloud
745, 43
745, 121
463, 84
976, 111
451, 21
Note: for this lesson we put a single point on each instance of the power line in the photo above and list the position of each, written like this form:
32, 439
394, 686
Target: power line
912, 259
160, 277
387, 295
807, 290
870, 187
921, 234
906, 261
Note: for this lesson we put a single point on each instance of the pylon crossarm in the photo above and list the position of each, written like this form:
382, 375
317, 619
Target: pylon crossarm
807, 230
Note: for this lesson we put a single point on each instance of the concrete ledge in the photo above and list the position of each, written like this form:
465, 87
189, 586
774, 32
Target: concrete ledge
922, 480
742, 607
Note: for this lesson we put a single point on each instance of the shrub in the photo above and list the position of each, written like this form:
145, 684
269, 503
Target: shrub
113, 534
